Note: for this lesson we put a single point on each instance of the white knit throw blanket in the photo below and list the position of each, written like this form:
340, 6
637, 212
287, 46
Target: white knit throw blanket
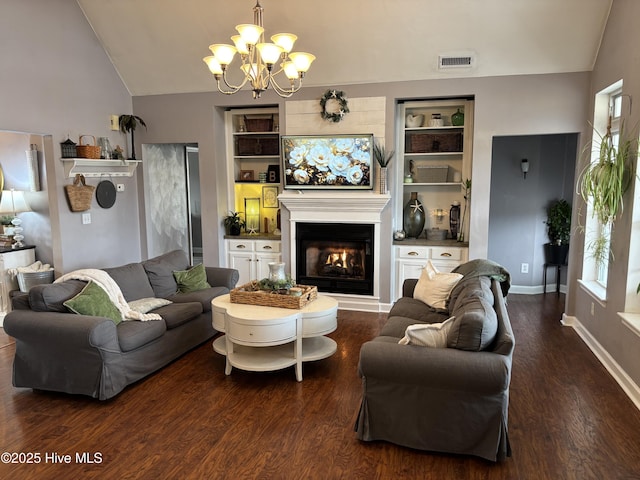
109, 285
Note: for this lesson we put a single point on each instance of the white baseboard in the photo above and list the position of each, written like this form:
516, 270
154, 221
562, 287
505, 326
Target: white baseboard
536, 289
617, 372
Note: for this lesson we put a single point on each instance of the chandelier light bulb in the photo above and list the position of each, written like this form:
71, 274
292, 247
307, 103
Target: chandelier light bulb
250, 33
240, 44
302, 60
284, 40
213, 65
224, 53
270, 52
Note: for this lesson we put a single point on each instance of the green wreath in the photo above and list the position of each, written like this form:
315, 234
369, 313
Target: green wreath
339, 97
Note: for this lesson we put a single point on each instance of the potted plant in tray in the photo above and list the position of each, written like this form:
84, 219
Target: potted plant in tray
233, 223
559, 230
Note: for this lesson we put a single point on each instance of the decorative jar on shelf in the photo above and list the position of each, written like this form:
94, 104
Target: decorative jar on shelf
413, 217
276, 272
457, 119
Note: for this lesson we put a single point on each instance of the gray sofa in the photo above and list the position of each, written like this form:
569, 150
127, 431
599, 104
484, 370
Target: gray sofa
61, 351
453, 399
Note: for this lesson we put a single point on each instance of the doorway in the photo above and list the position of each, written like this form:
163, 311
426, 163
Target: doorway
172, 199
519, 202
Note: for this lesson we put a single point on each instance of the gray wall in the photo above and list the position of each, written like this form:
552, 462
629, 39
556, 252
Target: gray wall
604, 326
518, 207
57, 80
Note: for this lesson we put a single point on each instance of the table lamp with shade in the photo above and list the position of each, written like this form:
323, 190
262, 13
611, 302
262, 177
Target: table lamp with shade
13, 202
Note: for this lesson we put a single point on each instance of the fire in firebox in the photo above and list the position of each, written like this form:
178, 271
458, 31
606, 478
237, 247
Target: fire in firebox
346, 264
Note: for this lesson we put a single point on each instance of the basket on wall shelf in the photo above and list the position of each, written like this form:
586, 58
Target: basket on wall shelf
79, 194
88, 151
258, 124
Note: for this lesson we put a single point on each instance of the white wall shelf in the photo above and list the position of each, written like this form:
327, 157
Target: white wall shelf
99, 167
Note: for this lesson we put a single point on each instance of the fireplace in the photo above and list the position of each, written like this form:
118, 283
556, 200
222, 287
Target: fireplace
336, 257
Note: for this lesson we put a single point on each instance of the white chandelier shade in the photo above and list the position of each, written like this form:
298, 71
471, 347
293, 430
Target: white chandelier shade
261, 61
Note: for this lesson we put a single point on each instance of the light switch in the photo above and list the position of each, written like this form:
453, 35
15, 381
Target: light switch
86, 218
115, 124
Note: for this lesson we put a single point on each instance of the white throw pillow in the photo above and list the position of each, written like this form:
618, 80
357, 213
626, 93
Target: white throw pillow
432, 335
144, 305
434, 287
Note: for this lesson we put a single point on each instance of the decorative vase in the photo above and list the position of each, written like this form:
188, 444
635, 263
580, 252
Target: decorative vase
457, 119
454, 219
413, 217
383, 180
234, 230
276, 272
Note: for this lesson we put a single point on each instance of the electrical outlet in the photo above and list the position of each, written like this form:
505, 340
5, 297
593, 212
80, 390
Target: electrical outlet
593, 311
120, 187
524, 268
86, 218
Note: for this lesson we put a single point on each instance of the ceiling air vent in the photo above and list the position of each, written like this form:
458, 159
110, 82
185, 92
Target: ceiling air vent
458, 61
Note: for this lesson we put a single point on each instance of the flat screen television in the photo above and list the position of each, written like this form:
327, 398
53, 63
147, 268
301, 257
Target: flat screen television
327, 161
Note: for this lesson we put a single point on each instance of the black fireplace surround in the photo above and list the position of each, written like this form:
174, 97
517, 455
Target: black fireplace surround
336, 257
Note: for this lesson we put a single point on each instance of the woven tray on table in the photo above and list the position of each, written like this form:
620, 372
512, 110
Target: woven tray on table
243, 294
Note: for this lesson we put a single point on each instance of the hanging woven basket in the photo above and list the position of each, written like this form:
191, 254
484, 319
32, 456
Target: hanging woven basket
79, 194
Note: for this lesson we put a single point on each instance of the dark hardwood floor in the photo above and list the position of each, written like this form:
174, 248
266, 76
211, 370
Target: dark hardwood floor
568, 419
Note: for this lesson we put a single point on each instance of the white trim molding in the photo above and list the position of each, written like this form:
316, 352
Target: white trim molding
617, 372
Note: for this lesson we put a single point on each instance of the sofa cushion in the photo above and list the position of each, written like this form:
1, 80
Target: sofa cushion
160, 272
94, 301
145, 305
396, 326
475, 325
132, 280
434, 287
51, 297
191, 280
176, 314
471, 287
432, 335
417, 310
134, 334
203, 297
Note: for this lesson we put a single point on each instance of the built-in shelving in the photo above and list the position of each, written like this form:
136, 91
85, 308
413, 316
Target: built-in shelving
98, 167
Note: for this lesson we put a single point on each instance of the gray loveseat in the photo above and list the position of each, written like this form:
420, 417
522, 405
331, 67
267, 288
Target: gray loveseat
61, 351
453, 399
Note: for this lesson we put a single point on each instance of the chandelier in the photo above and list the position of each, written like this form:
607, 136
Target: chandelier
261, 61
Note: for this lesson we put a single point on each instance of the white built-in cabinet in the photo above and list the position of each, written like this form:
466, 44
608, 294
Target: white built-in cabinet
252, 257
437, 155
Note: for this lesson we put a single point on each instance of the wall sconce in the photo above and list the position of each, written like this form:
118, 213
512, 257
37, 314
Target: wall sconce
252, 214
524, 166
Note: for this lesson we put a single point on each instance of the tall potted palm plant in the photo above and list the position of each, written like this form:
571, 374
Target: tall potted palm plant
128, 124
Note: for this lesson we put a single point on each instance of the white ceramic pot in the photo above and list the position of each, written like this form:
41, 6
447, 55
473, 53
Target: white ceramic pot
414, 121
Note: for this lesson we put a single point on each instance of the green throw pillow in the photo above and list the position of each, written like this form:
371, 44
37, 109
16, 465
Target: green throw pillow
191, 280
93, 300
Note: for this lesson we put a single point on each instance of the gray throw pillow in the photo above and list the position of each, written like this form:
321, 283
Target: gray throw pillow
475, 325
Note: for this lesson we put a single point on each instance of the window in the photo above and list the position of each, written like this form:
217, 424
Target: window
607, 118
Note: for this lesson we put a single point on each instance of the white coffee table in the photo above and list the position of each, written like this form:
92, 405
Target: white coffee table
261, 338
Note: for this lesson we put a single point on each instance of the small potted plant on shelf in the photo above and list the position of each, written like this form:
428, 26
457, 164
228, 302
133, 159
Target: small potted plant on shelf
128, 124
559, 230
233, 223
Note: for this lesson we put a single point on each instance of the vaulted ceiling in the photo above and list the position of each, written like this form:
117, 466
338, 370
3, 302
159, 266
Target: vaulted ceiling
157, 45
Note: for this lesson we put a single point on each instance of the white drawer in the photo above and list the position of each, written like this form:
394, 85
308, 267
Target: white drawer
444, 253
241, 245
268, 246
256, 334
413, 252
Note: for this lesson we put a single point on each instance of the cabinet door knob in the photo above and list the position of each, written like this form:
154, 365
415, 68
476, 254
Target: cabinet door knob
267, 247
445, 254
413, 254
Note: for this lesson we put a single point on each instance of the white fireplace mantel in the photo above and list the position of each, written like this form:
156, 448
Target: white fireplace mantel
333, 206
